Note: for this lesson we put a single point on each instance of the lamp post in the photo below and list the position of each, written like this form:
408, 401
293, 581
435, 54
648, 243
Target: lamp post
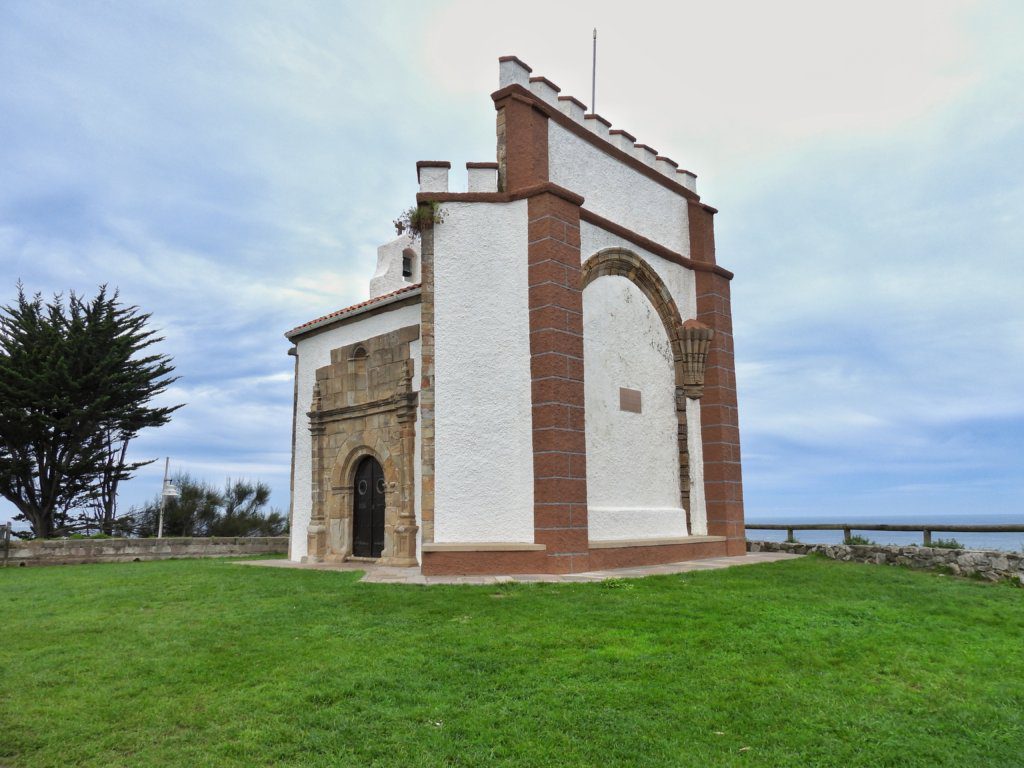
169, 491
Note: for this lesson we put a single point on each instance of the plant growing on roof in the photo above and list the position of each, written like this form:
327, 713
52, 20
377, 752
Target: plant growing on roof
418, 218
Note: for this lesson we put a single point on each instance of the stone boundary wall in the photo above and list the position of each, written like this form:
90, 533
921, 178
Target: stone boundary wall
986, 564
75, 551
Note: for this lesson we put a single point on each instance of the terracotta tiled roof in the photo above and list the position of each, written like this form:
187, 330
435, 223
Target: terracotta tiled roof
355, 309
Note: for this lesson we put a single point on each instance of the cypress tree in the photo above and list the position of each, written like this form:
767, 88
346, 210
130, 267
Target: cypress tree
77, 384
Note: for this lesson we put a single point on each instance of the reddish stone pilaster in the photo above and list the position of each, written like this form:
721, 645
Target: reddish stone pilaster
556, 366
522, 132
723, 482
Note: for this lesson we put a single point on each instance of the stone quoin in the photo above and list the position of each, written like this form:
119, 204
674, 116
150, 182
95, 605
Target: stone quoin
542, 381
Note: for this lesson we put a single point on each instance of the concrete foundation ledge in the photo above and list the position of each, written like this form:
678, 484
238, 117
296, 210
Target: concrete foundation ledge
485, 546
662, 542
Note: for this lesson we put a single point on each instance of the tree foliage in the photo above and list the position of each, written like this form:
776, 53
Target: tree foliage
203, 510
77, 383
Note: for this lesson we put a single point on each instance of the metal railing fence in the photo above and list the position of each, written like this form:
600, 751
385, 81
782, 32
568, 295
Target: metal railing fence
848, 528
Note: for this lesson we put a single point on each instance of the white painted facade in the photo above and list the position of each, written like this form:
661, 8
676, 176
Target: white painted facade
483, 412
632, 458
392, 259
314, 351
615, 191
483, 462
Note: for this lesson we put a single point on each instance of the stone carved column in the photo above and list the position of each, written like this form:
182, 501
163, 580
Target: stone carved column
684, 454
403, 538
696, 341
317, 531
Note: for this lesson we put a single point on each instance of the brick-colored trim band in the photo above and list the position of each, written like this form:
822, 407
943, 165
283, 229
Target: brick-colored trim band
547, 188
599, 556
548, 83
517, 60
575, 101
633, 556
649, 245
430, 164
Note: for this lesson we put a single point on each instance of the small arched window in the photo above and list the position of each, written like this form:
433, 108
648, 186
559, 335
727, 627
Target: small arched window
407, 259
357, 360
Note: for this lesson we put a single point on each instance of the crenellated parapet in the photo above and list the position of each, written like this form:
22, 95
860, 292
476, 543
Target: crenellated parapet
513, 71
433, 175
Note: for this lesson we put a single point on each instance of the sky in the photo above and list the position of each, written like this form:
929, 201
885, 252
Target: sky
231, 167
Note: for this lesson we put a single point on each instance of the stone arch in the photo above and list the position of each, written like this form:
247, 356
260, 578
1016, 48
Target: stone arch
352, 452
621, 262
341, 496
688, 341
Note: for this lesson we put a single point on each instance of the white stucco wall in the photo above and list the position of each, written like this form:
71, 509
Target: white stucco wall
632, 458
615, 191
483, 464
388, 276
315, 352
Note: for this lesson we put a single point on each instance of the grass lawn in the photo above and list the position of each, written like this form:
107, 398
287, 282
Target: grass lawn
802, 663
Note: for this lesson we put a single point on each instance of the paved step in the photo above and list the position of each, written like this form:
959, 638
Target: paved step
382, 574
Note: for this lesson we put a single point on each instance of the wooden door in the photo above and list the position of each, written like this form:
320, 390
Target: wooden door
368, 515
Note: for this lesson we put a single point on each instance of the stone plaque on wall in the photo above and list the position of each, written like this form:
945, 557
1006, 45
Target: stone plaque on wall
629, 400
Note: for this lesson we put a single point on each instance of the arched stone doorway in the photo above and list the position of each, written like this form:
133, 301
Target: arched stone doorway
364, 408
368, 504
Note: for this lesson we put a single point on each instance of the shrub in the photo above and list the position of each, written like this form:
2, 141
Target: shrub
200, 509
861, 540
947, 544
419, 218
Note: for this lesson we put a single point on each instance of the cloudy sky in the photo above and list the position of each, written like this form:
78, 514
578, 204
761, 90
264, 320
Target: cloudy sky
232, 166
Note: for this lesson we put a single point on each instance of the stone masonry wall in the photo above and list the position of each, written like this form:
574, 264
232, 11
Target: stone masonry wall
76, 551
990, 565
364, 405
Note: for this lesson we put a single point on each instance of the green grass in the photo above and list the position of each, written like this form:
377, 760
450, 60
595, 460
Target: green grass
800, 663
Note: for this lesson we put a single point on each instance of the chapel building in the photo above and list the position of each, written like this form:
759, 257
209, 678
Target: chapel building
542, 381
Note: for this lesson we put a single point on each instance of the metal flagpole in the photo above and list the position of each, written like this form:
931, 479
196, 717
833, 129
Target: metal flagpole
163, 499
593, 78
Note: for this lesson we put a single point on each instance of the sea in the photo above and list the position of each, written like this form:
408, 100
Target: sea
1012, 542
